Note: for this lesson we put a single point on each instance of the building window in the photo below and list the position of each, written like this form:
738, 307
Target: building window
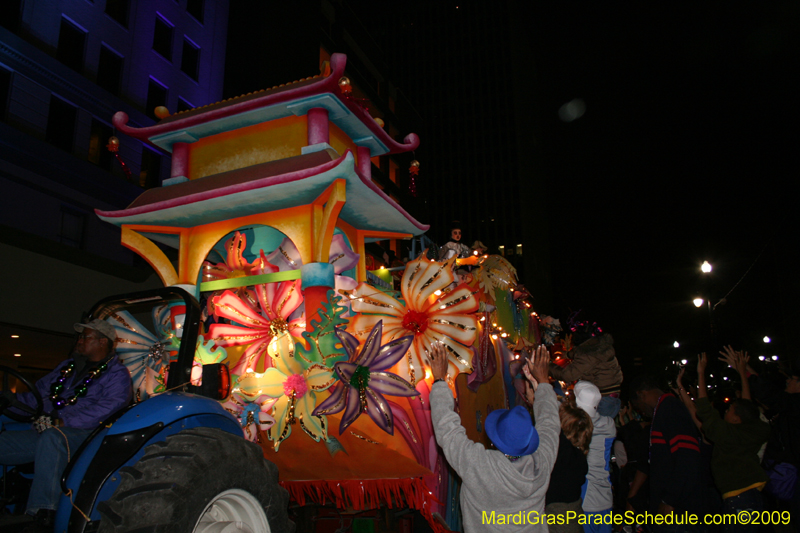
10, 14
72, 227
71, 45
5, 91
150, 175
162, 38
195, 9
61, 124
183, 105
156, 96
118, 10
98, 139
190, 61
109, 71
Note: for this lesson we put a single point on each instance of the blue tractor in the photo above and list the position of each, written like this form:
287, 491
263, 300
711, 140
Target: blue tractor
176, 461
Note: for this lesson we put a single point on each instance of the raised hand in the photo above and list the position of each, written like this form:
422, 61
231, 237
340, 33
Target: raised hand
702, 361
736, 359
626, 414
532, 382
538, 363
679, 379
438, 360
529, 393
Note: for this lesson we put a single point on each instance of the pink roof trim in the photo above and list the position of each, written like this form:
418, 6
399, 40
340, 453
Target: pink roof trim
258, 184
328, 84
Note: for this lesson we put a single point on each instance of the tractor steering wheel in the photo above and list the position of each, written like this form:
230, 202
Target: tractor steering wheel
11, 409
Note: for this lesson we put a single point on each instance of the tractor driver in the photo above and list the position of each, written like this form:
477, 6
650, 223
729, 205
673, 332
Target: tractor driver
77, 396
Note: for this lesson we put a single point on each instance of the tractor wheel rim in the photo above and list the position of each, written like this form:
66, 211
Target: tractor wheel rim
233, 511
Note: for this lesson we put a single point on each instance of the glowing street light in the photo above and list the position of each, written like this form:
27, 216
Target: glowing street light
705, 267
698, 302
766, 340
676, 344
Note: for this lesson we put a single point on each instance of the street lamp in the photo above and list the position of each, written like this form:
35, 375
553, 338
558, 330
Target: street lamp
766, 340
698, 302
705, 267
676, 344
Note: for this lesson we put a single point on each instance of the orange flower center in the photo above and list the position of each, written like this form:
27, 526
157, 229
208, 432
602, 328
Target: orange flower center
278, 326
238, 273
415, 321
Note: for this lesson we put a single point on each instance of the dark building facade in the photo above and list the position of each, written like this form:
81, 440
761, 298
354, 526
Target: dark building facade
65, 69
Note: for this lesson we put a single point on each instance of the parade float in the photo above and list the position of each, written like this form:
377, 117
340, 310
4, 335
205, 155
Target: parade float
268, 210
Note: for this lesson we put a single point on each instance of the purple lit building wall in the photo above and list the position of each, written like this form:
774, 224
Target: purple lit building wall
65, 68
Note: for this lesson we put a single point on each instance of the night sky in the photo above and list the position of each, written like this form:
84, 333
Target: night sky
686, 152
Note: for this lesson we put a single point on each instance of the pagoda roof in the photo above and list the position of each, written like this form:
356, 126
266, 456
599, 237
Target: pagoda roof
281, 184
271, 104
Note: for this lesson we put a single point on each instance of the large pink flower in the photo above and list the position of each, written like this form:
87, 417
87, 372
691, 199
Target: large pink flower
447, 317
256, 327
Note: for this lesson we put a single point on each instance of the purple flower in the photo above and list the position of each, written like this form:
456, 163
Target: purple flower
363, 380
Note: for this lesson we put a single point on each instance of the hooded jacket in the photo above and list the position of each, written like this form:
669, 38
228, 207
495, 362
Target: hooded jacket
596, 493
496, 493
593, 360
734, 461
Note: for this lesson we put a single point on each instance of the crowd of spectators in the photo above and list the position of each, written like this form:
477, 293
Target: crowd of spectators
677, 449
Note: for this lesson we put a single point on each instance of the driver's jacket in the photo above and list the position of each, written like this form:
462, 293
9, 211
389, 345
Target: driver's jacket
106, 394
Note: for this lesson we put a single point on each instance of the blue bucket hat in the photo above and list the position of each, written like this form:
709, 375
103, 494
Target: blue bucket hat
512, 431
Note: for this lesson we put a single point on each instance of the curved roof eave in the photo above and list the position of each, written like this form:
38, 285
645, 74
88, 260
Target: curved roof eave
367, 207
295, 99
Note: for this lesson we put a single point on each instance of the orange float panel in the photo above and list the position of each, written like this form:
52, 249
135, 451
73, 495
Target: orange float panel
369, 453
245, 147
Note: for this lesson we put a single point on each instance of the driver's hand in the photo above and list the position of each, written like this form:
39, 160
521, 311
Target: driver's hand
7, 397
44, 422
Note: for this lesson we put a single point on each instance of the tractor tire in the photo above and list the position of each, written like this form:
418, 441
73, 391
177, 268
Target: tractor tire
201, 480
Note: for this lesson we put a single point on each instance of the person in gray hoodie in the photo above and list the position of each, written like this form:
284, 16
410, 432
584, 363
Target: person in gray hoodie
597, 495
504, 489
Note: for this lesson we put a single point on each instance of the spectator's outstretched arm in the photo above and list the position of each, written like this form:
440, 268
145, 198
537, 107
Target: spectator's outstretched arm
683, 395
702, 361
545, 408
461, 453
713, 426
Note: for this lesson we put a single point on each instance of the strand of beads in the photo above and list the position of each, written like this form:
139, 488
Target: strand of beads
80, 391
